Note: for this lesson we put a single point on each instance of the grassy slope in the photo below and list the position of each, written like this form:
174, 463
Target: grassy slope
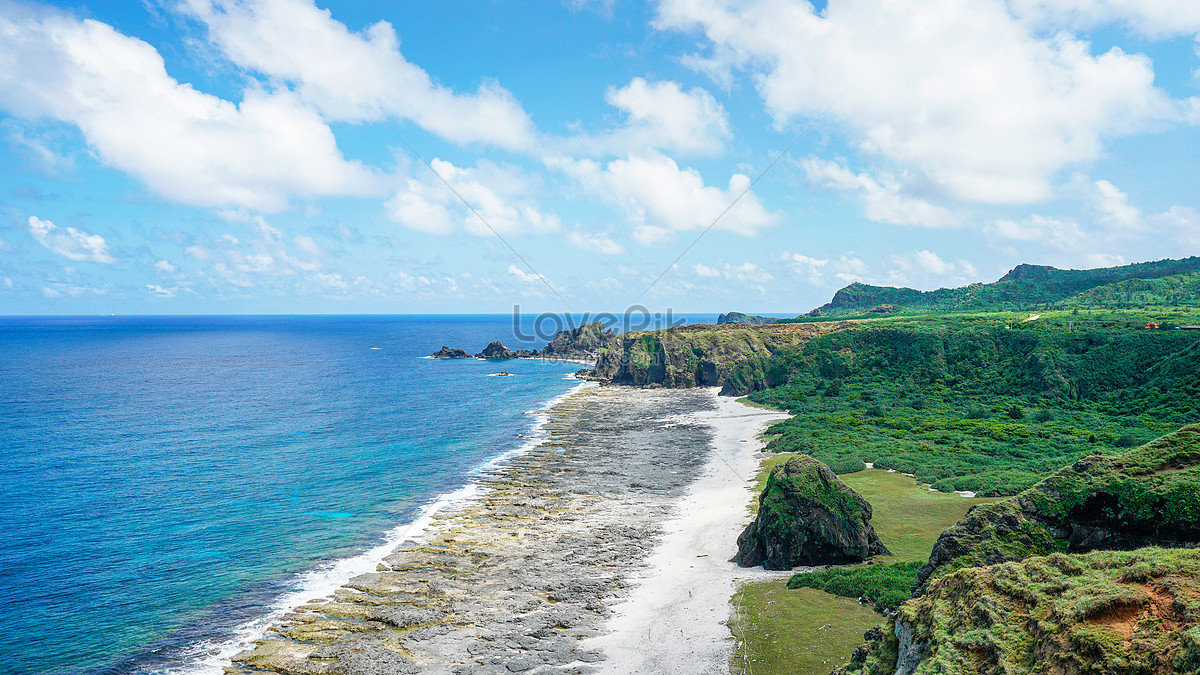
766, 611
794, 632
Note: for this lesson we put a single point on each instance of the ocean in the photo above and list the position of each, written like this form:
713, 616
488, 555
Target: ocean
170, 481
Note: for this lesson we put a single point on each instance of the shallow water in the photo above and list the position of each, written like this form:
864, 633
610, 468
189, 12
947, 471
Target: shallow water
167, 479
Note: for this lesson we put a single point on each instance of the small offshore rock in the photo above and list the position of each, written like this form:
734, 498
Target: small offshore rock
447, 353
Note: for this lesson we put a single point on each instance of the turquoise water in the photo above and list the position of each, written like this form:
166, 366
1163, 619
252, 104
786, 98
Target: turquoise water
164, 480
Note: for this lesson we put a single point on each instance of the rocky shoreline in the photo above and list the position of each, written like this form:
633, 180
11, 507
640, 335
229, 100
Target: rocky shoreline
516, 579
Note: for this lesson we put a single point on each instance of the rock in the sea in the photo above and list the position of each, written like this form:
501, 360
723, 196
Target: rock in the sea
448, 353
807, 516
497, 350
578, 344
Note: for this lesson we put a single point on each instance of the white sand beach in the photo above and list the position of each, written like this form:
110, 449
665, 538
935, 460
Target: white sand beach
675, 618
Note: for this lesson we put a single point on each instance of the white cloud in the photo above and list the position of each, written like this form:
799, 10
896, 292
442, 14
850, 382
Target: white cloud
658, 115
1152, 18
521, 274
1181, 223
356, 76
1053, 232
661, 199
884, 201
960, 92
746, 272
1114, 210
333, 281
50, 292
8, 283
186, 145
498, 193
5, 247
165, 267
160, 292
70, 243
596, 243
308, 245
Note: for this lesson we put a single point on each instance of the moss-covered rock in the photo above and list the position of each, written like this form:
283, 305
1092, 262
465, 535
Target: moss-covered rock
1147, 496
1105, 612
807, 516
731, 356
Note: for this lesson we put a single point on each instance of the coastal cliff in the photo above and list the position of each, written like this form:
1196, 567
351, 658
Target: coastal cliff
1094, 569
807, 516
1147, 496
733, 357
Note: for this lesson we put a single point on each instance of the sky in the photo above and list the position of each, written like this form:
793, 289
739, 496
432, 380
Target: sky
446, 156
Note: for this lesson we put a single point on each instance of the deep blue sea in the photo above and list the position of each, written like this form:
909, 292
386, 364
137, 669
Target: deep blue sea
165, 480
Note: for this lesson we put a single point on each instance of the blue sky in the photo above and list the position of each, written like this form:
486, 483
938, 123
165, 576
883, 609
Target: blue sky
240, 156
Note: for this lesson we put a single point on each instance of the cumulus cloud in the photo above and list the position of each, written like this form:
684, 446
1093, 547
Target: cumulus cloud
160, 292
927, 264
1152, 18
746, 272
188, 146
497, 192
885, 202
596, 243
962, 93
165, 267
661, 199
356, 76
70, 243
521, 274
1062, 234
658, 115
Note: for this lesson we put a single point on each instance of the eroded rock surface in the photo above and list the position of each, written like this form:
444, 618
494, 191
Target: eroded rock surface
447, 353
521, 575
808, 516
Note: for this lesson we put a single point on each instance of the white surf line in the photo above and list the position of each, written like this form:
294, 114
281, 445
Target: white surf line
675, 618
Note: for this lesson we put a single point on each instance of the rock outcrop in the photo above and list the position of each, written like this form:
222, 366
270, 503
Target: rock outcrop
579, 344
497, 350
744, 319
448, 353
1104, 612
1147, 496
807, 516
732, 357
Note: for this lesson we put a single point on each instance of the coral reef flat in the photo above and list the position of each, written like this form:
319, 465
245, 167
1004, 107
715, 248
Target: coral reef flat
517, 578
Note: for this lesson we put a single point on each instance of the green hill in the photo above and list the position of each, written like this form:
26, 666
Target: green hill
1035, 286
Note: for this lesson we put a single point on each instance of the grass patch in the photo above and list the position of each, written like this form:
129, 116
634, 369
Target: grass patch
907, 516
794, 632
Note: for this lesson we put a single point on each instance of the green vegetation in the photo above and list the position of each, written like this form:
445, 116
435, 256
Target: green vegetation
884, 586
1032, 287
908, 517
1105, 612
794, 632
965, 403
802, 475
1147, 495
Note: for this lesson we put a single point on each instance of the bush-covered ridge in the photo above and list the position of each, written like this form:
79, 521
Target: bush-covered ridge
982, 408
1150, 495
885, 586
1024, 287
1104, 612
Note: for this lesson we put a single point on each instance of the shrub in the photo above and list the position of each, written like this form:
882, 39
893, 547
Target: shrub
847, 465
978, 412
1043, 415
1016, 413
1126, 441
885, 586
875, 411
